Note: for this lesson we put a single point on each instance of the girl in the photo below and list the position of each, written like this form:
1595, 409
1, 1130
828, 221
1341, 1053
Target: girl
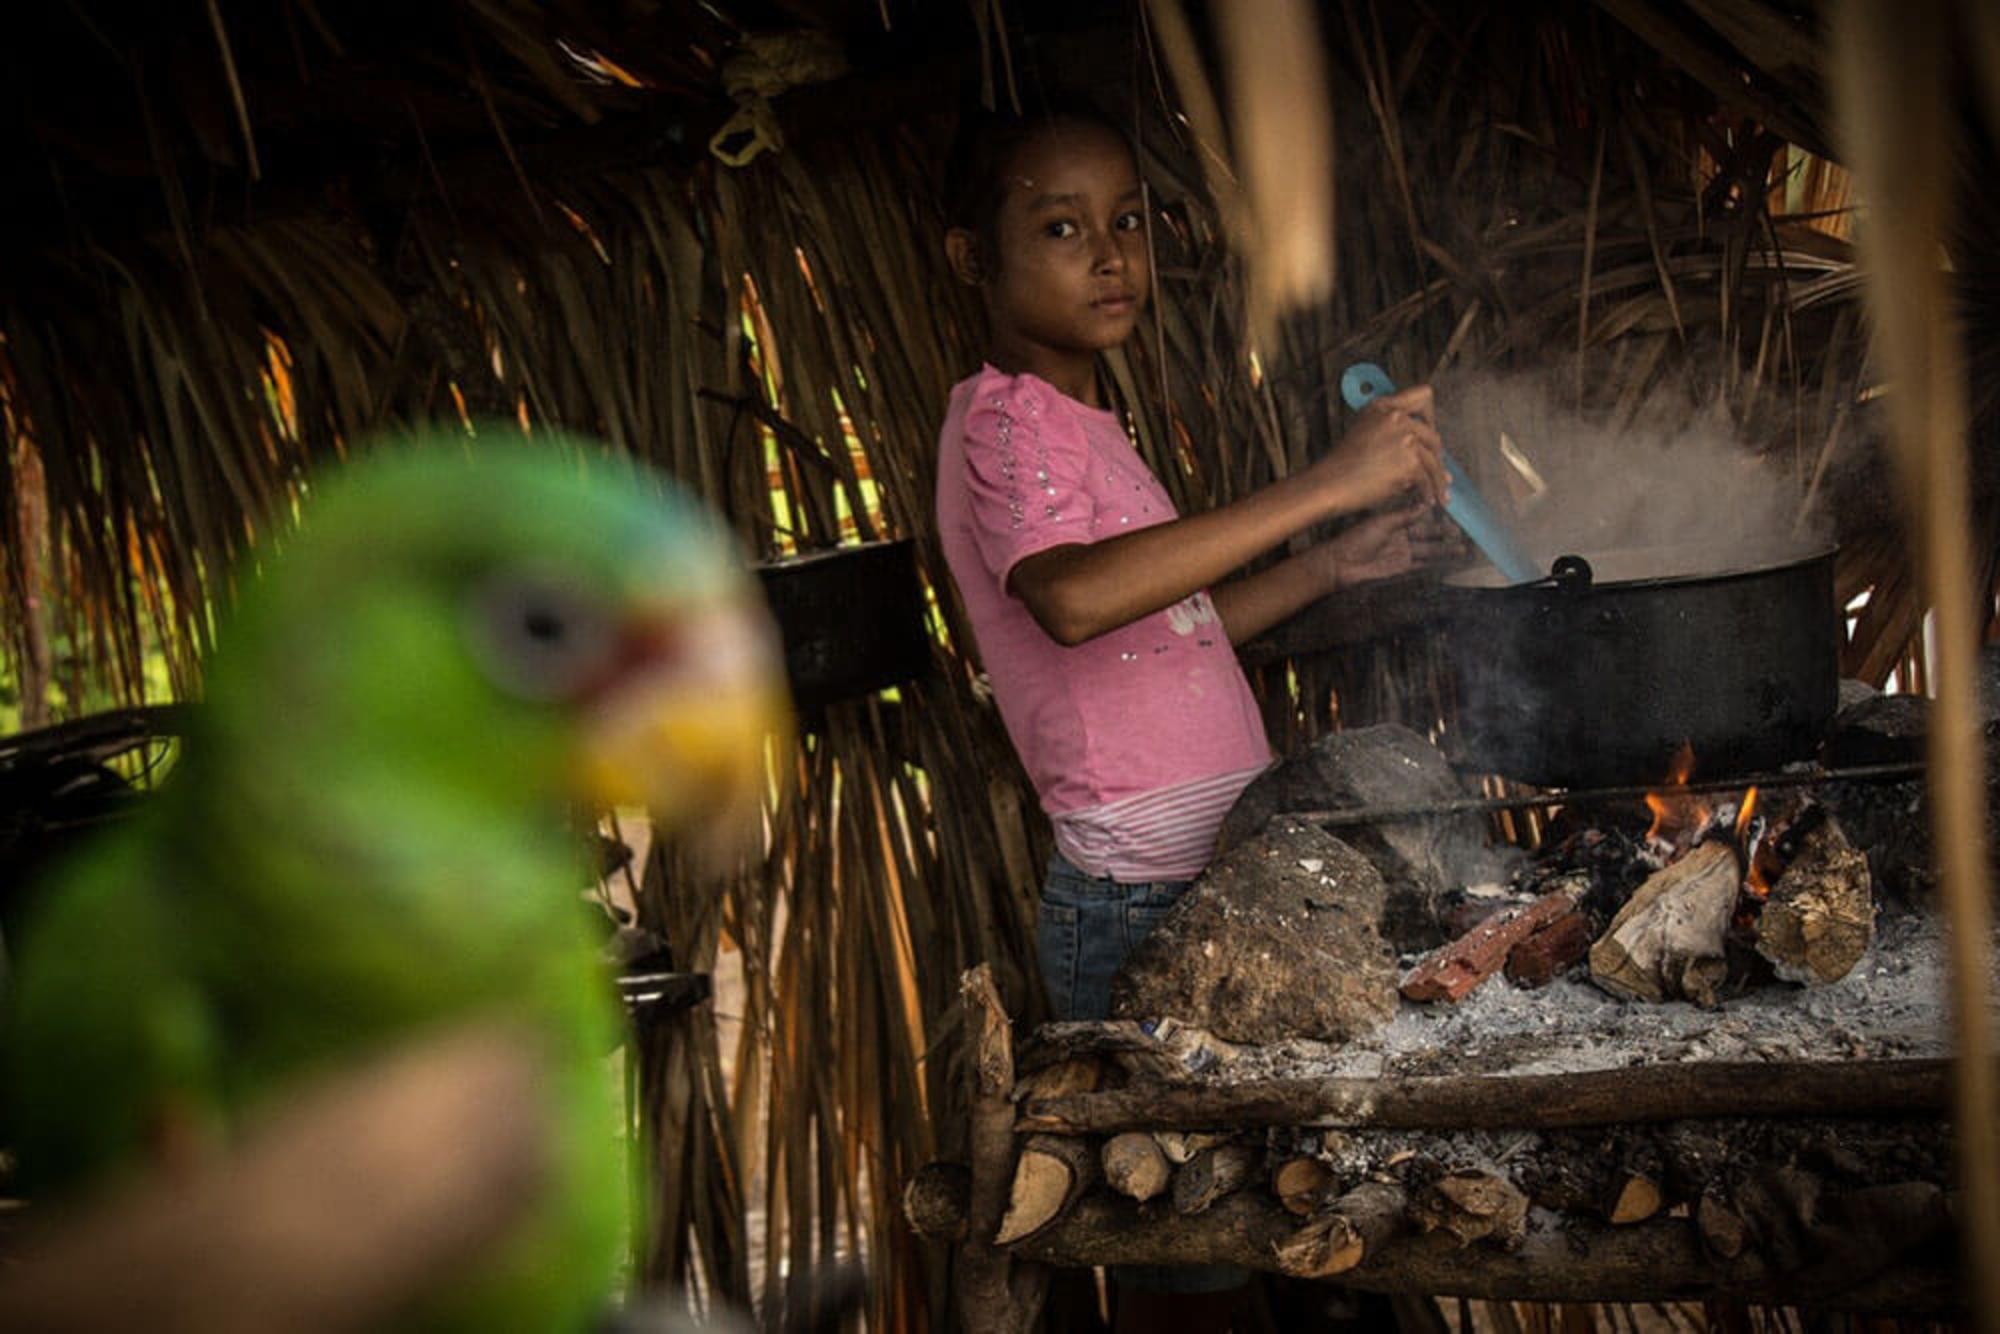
1103, 618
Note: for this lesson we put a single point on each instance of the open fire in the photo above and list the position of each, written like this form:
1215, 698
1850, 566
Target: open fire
1721, 892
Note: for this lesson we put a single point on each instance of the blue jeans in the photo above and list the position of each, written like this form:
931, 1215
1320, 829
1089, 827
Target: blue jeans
1086, 926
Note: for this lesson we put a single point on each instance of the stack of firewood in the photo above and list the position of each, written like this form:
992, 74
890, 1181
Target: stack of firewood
1799, 1179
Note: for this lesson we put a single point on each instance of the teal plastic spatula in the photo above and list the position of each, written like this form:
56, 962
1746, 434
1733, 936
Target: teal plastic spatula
1363, 383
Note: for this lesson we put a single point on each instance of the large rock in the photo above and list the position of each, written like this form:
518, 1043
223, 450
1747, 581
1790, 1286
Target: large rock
1276, 940
1386, 765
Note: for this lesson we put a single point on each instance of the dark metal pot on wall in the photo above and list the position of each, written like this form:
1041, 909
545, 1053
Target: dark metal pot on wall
1595, 676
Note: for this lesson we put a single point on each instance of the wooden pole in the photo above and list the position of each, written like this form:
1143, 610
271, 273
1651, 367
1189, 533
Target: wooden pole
1468, 1102
1576, 1262
995, 1294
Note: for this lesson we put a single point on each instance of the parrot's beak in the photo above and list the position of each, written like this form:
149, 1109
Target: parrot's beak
683, 729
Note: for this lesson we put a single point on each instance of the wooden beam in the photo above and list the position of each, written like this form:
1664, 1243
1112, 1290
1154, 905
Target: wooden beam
1651, 1261
1468, 1102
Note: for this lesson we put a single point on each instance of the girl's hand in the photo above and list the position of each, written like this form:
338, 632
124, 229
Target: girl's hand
1389, 543
1392, 449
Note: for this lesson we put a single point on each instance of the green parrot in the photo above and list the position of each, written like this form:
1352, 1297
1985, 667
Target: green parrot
367, 834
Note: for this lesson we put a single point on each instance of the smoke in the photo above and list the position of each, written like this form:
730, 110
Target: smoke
1675, 491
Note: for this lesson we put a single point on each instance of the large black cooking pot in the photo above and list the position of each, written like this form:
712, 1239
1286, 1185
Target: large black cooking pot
1595, 676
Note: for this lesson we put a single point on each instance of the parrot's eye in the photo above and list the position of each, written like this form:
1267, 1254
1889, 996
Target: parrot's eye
540, 638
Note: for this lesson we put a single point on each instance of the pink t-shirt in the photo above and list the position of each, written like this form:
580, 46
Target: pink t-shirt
1158, 704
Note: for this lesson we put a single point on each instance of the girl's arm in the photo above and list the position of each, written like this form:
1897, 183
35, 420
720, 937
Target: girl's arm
1381, 545
1253, 604
1080, 590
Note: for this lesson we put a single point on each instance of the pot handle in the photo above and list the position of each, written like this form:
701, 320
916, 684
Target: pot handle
1571, 574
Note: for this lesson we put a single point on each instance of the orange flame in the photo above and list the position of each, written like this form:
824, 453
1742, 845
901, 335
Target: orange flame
1677, 776
1744, 812
1754, 882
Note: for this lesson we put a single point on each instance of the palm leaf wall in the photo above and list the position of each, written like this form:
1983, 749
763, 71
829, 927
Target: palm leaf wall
1566, 190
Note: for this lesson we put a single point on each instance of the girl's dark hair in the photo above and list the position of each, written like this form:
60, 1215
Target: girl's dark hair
975, 175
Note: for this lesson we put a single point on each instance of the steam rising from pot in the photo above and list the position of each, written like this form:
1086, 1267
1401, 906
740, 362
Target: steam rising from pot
1677, 483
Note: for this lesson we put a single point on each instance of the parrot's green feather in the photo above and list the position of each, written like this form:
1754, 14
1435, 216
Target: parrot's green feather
365, 839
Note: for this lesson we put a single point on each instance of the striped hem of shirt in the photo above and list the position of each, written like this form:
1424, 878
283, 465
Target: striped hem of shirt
1166, 834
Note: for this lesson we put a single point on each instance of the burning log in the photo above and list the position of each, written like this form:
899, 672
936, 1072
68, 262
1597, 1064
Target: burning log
1452, 970
1820, 916
1135, 1166
1212, 1174
936, 1199
1667, 942
1473, 1205
1051, 1172
1357, 1225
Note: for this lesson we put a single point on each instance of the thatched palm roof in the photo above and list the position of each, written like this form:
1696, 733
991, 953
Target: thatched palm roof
242, 237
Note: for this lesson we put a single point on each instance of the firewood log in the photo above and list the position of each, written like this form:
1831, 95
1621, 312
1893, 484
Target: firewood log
1212, 1174
1135, 1166
1537, 961
1821, 914
1078, 1074
1052, 1171
937, 1200
1473, 1205
1181, 1145
1723, 1233
1303, 1184
1666, 942
1357, 1224
1121, 1042
1637, 1199
1452, 969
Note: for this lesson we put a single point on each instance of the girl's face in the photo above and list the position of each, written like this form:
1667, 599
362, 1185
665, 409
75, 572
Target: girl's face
1072, 270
